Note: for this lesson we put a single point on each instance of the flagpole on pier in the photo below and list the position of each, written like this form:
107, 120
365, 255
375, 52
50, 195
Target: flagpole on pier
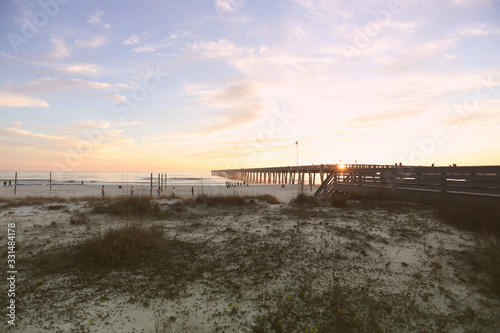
297, 144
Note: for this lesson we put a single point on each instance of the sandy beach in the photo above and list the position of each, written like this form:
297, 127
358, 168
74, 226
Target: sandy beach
182, 191
256, 267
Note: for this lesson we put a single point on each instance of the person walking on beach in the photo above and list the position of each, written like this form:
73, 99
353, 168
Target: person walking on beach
103, 192
159, 191
132, 191
192, 191
10, 183
173, 191
5, 183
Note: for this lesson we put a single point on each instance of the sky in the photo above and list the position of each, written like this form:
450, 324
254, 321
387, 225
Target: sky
197, 85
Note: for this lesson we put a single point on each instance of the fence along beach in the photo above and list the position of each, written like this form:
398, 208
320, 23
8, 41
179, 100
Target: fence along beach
69, 185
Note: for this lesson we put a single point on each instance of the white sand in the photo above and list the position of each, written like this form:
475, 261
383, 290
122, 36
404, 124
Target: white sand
183, 191
406, 260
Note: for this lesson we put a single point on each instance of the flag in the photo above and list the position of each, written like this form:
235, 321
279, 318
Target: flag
296, 143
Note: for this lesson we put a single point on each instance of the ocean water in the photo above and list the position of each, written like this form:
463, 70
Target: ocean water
105, 177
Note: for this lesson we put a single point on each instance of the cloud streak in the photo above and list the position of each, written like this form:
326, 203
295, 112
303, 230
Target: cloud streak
146, 47
62, 49
82, 69
96, 19
230, 106
17, 100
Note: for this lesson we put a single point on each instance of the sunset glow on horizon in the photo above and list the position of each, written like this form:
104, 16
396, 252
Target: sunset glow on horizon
218, 84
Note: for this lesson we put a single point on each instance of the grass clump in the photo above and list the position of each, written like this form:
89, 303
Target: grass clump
79, 218
332, 311
223, 200
131, 244
303, 199
56, 207
234, 200
485, 257
338, 200
226, 200
471, 217
31, 201
485, 254
133, 206
267, 198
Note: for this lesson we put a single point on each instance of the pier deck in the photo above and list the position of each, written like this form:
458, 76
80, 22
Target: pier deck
423, 183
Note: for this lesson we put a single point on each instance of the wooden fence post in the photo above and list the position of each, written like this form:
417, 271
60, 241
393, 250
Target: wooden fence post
443, 182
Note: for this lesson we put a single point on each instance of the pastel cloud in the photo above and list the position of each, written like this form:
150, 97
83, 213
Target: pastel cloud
230, 106
153, 46
55, 84
96, 19
132, 40
62, 49
17, 100
82, 69
324, 8
228, 6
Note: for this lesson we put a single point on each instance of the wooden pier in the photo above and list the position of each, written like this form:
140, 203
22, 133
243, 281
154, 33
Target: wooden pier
289, 174
422, 183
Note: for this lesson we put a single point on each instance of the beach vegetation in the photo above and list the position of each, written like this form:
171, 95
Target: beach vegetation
133, 206
296, 275
234, 200
31, 201
303, 199
129, 244
484, 220
272, 200
338, 200
471, 217
56, 207
79, 218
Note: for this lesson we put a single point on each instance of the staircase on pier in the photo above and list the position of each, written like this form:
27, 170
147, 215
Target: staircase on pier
327, 187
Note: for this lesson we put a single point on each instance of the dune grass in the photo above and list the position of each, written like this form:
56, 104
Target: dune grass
303, 199
128, 245
133, 206
30, 201
484, 220
234, 200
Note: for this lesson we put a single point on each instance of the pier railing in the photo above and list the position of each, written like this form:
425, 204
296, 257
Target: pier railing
479, 181
468, 180
288, 174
